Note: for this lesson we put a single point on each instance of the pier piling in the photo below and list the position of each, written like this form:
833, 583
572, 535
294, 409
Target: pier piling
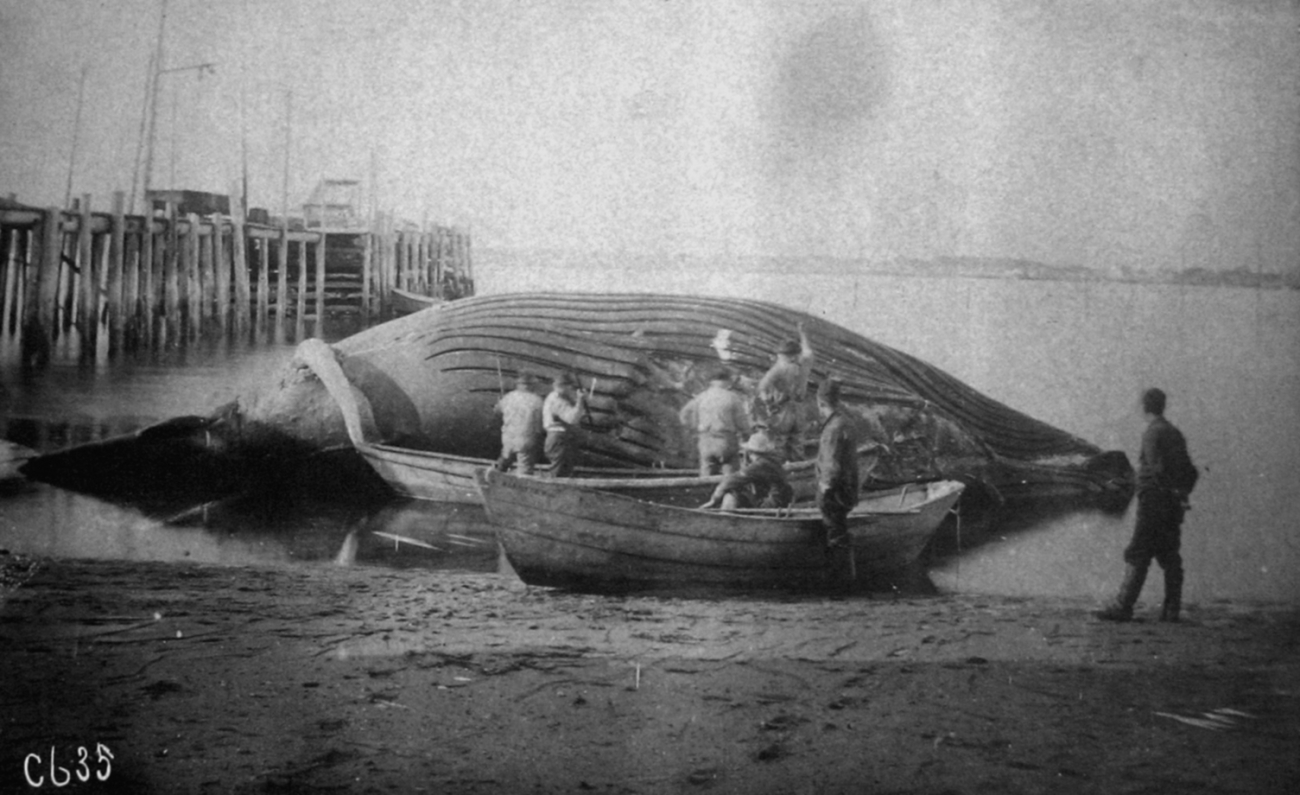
172, 277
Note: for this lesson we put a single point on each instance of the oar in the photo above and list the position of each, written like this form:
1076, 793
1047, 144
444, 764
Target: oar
586, 408
407, 540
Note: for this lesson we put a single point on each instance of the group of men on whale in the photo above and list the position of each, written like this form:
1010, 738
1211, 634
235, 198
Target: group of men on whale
746, 441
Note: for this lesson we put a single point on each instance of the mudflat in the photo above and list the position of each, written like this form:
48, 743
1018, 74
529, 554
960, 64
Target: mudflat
152, 677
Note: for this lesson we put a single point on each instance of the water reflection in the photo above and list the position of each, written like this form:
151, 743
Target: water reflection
43, 520
1051, 547
75, 400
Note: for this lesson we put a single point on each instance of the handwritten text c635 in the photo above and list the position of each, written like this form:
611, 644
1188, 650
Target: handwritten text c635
83, 766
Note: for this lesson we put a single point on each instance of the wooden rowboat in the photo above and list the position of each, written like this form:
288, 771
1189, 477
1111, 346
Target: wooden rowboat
563, 534
405, 302
443, 477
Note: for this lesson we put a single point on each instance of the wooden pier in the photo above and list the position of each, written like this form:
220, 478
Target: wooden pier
124, 282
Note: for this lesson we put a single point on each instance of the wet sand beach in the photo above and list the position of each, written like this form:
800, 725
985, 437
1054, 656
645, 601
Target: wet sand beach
202, 678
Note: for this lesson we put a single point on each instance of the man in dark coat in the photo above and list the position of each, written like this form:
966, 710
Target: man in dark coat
1165, 478
838, 479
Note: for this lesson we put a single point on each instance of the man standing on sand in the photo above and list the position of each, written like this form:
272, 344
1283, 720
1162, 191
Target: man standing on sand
718, 415
781, 393
521, 425
561, 413
838, 479
1165, 478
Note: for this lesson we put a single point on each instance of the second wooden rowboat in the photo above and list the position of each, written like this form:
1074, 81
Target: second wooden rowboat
560, 533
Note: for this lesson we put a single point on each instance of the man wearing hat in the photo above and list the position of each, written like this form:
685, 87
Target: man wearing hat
719, 417
838, 479
521, 425
760, 483
781, 393
561, 413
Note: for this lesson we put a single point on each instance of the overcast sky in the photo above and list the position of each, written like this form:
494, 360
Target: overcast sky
1101, 133
366, 87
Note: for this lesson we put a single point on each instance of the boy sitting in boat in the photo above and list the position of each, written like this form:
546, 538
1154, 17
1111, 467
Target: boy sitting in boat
761, 483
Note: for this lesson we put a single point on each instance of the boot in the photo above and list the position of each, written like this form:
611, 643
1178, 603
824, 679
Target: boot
1122, 608
1173, 594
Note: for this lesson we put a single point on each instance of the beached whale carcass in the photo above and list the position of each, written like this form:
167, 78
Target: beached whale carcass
431, 380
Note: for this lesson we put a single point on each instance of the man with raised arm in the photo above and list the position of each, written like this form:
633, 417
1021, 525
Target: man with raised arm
781, 393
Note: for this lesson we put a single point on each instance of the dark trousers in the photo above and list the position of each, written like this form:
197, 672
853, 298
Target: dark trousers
562, 452
1158, 532
1156, 536
835, 516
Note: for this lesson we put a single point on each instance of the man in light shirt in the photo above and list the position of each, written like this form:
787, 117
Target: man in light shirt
561, 413
718, 415
521, 426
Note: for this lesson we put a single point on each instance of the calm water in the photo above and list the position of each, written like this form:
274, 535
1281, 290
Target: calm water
73, 402
1074, 355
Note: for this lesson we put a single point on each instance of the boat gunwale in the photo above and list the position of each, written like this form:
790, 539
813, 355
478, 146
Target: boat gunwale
773, 519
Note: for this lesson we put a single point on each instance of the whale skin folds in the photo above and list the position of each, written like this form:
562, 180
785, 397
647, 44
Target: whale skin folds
432, 378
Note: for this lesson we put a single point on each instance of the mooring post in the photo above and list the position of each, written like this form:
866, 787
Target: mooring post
412, 265
469, 255
437, 262
263, 282
421, 262
42, 292
116, 260
7, 235
192, 296
282, 280
21, 266
389, 267
207, 232
162, 246
320, 282
142, 306
399, 270
367, 261
171, 286
132, 269
300, 304
377, 266
239, 246
222, 263
88, 311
